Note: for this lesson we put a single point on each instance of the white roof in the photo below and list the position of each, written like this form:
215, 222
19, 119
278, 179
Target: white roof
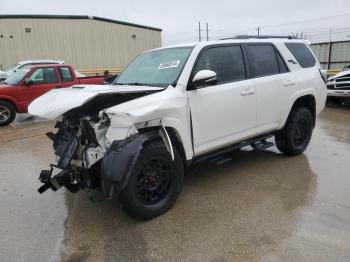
233, 41
40, 61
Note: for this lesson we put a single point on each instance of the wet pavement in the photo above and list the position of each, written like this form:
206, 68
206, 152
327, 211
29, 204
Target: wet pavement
261, 206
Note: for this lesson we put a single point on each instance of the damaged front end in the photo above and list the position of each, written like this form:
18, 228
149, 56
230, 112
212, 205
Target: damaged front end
79, 146
89, 156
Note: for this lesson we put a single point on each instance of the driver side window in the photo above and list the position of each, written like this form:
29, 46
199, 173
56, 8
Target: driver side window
226, 61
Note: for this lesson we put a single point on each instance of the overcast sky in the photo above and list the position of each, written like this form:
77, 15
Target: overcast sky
179, 18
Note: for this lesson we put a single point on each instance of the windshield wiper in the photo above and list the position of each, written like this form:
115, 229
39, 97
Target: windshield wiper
132, 84
141, 84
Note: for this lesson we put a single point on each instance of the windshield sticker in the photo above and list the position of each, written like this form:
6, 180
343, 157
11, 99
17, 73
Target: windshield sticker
170, 64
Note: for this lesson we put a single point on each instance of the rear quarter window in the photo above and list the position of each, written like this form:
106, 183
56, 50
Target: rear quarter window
302, 54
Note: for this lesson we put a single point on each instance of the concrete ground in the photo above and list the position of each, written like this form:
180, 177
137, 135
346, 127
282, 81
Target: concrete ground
262, 206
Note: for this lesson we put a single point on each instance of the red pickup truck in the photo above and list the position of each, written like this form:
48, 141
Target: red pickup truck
21, 88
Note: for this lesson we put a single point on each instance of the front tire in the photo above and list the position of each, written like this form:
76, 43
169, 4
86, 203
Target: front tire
155, 182
294, 138
7, 113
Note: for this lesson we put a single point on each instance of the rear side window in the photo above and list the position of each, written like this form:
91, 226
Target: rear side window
262, 60
66, 74
302, 54
226, 61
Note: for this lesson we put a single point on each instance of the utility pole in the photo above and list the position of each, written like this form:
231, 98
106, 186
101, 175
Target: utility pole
330, 49
207, 32
258, 29
199, 32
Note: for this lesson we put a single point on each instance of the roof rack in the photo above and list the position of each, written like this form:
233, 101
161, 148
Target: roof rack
260, 37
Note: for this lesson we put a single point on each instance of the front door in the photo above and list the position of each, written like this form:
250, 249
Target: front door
43, 80
226, 112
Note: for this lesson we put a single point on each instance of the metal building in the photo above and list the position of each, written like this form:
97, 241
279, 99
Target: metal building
332, 55
84, 42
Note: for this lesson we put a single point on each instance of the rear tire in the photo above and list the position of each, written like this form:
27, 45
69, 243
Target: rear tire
155, 182
294, 138
7, 113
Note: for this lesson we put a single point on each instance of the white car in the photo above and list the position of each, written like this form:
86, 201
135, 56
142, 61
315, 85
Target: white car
176, 106
23, 64
339, 86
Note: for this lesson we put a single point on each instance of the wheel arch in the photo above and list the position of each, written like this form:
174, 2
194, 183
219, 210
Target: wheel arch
177, 143
9, 100
305, 100
177, 140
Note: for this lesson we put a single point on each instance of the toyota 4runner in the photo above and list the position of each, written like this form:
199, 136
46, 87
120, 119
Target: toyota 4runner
175, 106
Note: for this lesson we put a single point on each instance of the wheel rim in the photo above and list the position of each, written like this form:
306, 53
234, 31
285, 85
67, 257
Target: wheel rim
154, 181
300, 132
4, 114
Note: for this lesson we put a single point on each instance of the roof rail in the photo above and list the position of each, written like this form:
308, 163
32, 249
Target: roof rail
260, 37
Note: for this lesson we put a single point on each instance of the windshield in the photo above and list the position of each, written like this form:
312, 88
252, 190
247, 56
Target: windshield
17, 77
155, 68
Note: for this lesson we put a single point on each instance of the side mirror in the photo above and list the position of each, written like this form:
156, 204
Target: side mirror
28, 82
204, 78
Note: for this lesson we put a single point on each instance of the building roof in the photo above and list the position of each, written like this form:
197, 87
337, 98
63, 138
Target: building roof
78, 17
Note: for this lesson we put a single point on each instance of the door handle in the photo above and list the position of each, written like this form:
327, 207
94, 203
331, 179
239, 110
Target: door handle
289, 83
58, 86
248, 91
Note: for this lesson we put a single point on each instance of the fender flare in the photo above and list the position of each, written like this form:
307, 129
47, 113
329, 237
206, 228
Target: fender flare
119, 161
294, 98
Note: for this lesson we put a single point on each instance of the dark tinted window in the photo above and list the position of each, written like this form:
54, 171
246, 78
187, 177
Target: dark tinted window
66, 74
302, 54
44, 76
262, 60
226, 61
282, 64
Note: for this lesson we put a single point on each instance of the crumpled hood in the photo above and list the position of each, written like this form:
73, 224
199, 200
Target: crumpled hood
342, 73
56, 102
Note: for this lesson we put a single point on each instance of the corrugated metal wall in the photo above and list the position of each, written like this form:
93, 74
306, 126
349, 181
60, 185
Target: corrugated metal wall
340, 54
83, 43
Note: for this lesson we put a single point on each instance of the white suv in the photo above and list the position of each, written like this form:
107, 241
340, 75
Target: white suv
175, 106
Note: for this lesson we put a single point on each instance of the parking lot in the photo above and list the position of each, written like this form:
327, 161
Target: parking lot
260, 206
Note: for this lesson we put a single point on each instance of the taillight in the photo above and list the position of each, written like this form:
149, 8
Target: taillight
323, 74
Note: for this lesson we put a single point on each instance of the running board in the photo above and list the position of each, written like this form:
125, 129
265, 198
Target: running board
228, 149
261, 145
220, 160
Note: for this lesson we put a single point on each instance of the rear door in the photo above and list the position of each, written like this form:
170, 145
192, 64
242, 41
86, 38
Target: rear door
274, 84
44, 79
226, 112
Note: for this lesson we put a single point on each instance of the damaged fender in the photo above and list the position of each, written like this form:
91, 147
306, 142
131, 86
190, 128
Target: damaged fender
120, 160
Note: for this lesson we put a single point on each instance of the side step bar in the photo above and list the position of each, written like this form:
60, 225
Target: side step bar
259, 142
261, 145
